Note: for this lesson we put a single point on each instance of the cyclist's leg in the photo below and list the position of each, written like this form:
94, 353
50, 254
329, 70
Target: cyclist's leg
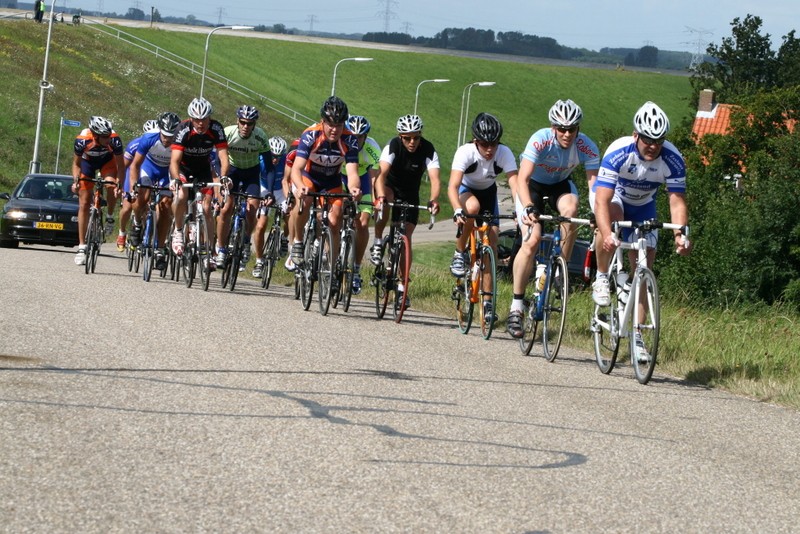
223, 221
85, 191
567, 206
523, 261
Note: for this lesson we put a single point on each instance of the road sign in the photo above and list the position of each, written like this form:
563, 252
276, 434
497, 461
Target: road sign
71, 123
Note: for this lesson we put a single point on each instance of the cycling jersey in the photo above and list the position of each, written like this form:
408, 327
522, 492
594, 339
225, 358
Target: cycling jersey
156, 159
325, 159
197, 148
368, 158
130, 151
552, 163
635, 180
244, 152
480, 173
407, 168
272, 173
93, 155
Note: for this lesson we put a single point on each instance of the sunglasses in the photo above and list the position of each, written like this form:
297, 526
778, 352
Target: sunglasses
649, 141
410, 138
564, 129
247, 123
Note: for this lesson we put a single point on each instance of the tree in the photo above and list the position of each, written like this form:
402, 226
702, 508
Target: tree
134, 14
157, 16
789, 61
647, 57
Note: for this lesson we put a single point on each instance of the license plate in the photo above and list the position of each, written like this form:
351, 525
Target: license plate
48, 225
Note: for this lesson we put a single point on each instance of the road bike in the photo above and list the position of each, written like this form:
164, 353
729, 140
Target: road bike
547, 291
611, 323
344, 268
148, 241
271, 251
391, 274
199, 247
237, 243
478, 285
95, 231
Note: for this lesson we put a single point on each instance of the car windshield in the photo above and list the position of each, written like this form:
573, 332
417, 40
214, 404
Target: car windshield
45, 188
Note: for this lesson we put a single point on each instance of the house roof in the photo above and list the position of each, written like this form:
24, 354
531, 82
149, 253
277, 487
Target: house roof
716, 121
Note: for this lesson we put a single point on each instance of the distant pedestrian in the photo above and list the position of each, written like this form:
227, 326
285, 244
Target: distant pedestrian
36, 10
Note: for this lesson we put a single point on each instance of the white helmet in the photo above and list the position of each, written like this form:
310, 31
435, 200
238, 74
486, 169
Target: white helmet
100, 125
200, 108
651, 121
409, 124
150, 126
278, 146
565, 113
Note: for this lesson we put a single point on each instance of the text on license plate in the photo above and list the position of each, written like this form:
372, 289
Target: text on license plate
48, 225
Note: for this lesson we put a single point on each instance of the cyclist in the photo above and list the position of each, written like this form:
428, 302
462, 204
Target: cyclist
288, 205
473, 186
632, 171
322, 151
545, 170
247, 145
127, 197
150, 167
98, 148
403, 162
369, 153
273, 166
194, 141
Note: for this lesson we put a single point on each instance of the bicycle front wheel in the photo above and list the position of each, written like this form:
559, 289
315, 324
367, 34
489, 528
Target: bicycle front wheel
488, 268
464, 306
326, 272
147, 263
645, 325
188, 259
605, 329
530, 321
348, 262
555, 308
307, 270
235, 260
270, 255
400, 267
380, 279
205, 251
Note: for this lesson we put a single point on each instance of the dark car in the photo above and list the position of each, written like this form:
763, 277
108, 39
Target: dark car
41, 210
506, 252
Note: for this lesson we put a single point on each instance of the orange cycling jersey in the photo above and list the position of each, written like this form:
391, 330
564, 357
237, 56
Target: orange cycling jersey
95, 156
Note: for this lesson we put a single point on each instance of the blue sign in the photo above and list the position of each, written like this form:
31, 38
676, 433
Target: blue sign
71, 123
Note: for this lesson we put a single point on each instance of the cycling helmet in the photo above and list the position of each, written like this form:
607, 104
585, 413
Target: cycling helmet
248, 113
409, 124
168, 123
358, 124
487, 128
150, 126
651, 121
565, 113
277, 145
200, 108
100, 125
334, 110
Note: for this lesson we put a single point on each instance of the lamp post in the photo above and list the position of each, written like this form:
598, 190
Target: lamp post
205, 55
44, 85
333, 86
416, 96
462, 120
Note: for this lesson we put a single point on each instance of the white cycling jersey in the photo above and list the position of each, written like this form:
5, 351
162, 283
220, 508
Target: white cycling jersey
480, 173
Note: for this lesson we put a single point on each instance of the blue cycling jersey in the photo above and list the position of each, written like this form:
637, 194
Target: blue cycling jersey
553, 164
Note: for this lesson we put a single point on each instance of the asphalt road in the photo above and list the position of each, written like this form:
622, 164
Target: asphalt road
127, 406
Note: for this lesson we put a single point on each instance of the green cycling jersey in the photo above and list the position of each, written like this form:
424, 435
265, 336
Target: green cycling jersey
243, 152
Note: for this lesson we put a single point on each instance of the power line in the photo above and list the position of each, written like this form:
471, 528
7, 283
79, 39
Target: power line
387, 13
699, 54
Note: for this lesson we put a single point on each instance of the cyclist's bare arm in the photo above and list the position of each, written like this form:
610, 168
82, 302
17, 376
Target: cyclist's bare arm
353, 179
436, 186
679, 214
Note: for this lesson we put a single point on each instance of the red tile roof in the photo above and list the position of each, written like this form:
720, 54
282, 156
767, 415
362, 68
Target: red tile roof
716, 121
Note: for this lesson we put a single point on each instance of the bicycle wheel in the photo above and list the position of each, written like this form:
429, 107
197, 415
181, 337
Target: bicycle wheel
270, 255
400, 268
130, 251
205, 251
645, 291
97, 236
605, 329
235, 258
488, 267
325, 276
555, 307
348, 261
530, 323
308, 273
188, 259
380, 279
147, 251
230, 244
464, 305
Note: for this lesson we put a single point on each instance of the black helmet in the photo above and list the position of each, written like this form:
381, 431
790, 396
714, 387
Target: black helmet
487, 128
168, 123
334, 110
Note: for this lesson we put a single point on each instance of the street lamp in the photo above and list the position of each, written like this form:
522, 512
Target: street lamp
462, 120
416, 96
333, 86
44, 85
205, 56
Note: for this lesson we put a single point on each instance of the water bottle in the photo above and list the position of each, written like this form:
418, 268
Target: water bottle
475, 271
540, 276
315, 247
587, 264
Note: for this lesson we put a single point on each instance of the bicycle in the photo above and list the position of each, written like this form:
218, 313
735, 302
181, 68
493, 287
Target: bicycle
148, 242
271, 251
345, 262
617, 320
236, 247
95, 231
471, 288
389, 277
547, 292
199, 248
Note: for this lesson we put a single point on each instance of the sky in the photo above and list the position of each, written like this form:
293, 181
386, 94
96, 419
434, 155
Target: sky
667, 25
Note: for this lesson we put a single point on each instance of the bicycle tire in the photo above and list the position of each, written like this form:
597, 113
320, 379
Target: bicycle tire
645, 281
605, 328
147, 263
230, 244
235, 258
307, 269
464, 305
89, 243
555, 307
530, 325
189, 257
268, 254
325, 273
380, 279
349, 263
205, 251
488, 265
401, 266
129, 254
96, 240
298, 284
